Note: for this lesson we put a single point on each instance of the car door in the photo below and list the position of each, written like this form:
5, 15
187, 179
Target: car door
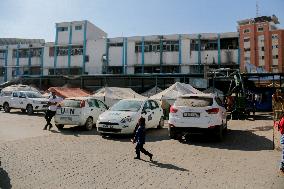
22, 100
147, 113
15, 100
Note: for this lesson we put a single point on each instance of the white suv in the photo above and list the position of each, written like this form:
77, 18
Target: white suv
195, 113
83, 111
27, 101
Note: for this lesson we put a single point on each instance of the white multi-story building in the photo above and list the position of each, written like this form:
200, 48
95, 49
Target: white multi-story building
81, 48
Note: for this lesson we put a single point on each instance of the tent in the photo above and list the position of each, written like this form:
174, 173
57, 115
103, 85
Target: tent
111, 95
66, 92
152, 91
215, 91
20, 88
170, 94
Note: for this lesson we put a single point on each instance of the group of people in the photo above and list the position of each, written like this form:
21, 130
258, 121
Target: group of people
278, 117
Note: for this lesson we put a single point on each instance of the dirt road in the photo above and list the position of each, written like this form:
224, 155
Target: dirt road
74, 158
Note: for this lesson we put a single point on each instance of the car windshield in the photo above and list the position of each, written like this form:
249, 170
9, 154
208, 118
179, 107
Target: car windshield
194, 101
127, 105
33, 95
71, 103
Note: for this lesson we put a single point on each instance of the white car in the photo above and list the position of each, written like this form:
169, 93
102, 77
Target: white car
82, 111
195, 113
122, 118
26, 101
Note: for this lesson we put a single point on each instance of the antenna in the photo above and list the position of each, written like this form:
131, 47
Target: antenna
257, 9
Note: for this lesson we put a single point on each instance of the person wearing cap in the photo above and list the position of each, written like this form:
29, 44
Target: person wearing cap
52, 102
139, 138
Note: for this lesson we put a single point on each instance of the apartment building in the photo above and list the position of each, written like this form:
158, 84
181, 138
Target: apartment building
261, 45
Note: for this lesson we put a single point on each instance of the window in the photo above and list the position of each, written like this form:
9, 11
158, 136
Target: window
261, 57
274, 46
63, 50
262, 49
246, 39
115, 69
260, 29
15, 94
275, 57
274, 36
247, 30
116, 44
62, 29
154, 46
246, 49
247, 58
78, 27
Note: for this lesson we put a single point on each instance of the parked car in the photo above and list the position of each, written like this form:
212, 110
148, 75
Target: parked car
27, 101
195, 113
122, 117
82, 111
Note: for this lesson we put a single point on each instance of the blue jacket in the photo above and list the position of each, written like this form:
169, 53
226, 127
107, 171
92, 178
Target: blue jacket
140, 135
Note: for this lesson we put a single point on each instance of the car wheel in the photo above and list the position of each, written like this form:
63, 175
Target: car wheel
29, 109
59, 126
172, 134
89, 124
219, 133
161, 123
6, 107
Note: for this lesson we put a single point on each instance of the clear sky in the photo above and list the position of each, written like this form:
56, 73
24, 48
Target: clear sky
37, 18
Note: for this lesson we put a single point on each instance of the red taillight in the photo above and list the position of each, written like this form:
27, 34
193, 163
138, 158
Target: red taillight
173, 110
82, 103
213, 111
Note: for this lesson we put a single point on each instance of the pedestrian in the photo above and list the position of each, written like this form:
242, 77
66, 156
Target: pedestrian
281, 130
139, 138
52, 103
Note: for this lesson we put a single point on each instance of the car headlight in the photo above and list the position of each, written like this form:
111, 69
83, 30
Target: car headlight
126, 119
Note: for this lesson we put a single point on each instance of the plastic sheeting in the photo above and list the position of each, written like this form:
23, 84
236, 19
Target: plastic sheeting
215, 91
66, 92
152, 91
20, 88
170, 94
111, 95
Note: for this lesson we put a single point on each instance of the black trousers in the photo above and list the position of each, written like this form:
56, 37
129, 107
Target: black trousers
139, 148
48, 116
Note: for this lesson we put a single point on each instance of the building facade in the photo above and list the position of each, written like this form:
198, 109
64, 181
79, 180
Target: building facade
261, 44
81, 48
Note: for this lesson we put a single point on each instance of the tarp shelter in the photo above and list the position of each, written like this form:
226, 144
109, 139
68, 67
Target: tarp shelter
20, 88
66, 92
111, 95
170, 94
215, 91
152, 91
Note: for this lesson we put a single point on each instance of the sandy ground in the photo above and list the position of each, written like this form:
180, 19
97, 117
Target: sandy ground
74, 158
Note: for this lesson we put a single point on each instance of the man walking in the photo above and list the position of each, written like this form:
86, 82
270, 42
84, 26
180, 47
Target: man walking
139, 138
52, 102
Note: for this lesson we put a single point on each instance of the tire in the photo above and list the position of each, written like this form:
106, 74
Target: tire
6, 107
29, 109
89, 124
172, 134
59, 126
161, 123
219, 133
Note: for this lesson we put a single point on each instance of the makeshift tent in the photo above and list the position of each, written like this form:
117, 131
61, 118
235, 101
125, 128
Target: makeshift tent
170, 94
152, 91
20, 88
215, 91
66, 92
111, 95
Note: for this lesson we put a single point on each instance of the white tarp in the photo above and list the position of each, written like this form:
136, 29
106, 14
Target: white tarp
215, 91
170, 94
20, 88
111, 95
152, 91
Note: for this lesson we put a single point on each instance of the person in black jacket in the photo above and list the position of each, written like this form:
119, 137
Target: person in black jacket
139, 138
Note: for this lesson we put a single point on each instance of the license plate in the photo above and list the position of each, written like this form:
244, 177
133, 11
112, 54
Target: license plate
191, 114
66, 118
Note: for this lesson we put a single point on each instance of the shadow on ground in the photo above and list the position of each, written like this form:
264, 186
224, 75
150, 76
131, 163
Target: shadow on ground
16, 112
4, 179
152, 135
166, 166
235, 140
75, 130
